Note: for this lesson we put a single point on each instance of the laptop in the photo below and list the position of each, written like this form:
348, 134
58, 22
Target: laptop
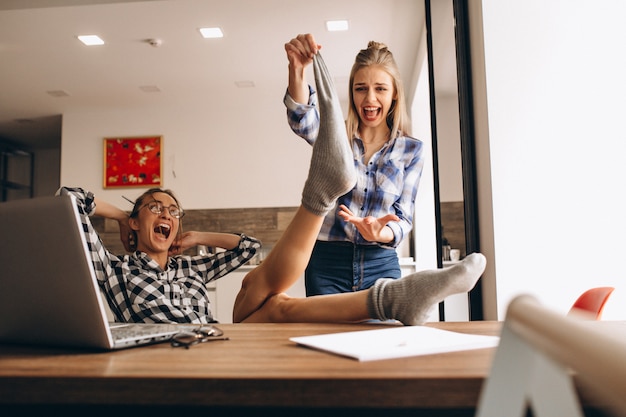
49, 294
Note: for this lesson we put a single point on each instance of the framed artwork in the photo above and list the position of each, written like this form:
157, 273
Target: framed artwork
133, 161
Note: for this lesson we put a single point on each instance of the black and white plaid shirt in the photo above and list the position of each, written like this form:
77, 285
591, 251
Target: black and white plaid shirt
139, 290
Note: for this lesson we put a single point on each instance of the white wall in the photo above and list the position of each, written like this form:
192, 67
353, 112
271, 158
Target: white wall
206, 165
554, 74
449, 149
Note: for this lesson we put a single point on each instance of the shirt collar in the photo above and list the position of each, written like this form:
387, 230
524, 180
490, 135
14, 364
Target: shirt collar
357, 139
145, 260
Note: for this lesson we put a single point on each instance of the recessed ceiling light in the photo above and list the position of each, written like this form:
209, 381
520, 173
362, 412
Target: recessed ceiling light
336, 25
211, 32
150, 89
244, 84
91, 40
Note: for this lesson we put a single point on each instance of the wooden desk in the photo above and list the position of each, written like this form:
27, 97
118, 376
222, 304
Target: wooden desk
257, 372
257, 367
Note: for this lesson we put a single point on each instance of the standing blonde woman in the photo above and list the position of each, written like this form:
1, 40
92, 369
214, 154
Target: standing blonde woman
357, 242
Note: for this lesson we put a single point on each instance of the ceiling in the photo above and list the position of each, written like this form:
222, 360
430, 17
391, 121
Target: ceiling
46, 71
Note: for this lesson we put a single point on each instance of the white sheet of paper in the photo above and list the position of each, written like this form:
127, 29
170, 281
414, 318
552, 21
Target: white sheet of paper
397, 342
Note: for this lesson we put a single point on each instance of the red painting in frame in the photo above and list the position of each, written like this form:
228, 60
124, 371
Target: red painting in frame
133, 161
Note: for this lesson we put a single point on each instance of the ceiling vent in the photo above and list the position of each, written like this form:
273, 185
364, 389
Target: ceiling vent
58, 93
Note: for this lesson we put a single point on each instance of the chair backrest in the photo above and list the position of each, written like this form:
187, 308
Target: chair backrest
533, 364
592, 302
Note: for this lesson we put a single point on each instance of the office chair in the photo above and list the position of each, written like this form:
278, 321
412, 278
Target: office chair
592, 302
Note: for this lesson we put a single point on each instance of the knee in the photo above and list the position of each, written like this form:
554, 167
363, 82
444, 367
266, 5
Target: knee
277, 308
246, 283
243, 305
256, 303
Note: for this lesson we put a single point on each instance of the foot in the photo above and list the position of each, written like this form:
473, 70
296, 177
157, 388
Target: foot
410, 299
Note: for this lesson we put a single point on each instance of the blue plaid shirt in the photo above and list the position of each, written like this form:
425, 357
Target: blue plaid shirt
139, 290
387, 183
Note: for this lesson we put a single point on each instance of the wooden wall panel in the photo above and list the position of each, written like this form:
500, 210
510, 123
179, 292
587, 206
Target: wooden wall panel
266, 224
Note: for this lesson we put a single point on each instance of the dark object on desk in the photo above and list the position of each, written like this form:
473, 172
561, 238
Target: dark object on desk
201, 334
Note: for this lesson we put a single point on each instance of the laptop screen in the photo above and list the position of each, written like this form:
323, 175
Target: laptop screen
49, 290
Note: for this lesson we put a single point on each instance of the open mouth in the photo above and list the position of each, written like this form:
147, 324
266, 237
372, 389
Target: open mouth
163, 230
371, 113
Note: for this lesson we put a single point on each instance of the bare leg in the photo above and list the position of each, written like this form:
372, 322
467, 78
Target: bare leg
282, 267
334, 308
331, 174
408, 299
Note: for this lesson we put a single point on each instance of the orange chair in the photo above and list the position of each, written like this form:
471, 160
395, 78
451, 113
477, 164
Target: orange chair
592, 302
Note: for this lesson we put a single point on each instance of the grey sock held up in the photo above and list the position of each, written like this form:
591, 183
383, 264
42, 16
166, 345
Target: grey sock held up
332, 172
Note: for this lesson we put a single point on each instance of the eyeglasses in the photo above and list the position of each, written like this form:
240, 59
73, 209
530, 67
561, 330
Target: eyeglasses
200, 335
157, 207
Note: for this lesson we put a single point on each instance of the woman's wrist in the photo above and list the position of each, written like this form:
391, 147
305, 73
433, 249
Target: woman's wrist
386, 236
109, 211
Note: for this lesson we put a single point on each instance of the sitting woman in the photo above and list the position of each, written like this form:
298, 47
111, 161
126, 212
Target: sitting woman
153, 285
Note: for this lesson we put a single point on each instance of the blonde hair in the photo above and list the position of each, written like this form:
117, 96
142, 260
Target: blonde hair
398, 119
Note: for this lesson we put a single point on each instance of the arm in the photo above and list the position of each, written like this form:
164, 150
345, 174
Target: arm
88, 205
109, 211
228, 241
303, 119
300, 99
300, 52
404, 206
219, 264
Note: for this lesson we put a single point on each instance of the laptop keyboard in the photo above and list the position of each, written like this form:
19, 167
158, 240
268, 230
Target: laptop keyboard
134, 331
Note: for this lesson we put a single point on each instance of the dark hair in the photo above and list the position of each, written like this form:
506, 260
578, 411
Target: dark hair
149, 193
